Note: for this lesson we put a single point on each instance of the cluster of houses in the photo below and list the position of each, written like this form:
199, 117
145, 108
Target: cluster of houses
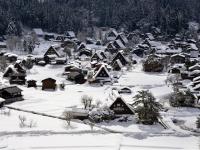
104, 57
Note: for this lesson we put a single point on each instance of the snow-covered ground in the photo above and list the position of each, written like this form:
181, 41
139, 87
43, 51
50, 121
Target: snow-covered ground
51, 133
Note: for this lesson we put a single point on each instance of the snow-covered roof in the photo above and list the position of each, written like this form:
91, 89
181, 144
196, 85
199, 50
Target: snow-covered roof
113, 31
99, 70
196, 87
181, 55
71, 34
195, 67
2, 100
196, 79
150, 36
195, 72
119, 63
169, 51
38, 31
123, 37
119, 43
77, 111
193, 46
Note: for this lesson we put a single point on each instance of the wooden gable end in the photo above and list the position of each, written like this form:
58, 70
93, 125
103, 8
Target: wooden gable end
120, 107
121, 58
110, 46
102, 73
51, 51
95, 56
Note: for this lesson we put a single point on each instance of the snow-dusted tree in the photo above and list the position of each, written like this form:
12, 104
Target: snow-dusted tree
29, 44
152, 64
22, 121
11, 29
28, 64
134, 41
68, 51
182, 99
86, 101
146, 107
91, 124
68, 116
101, 114
3, 63
14, 43
173, 80
98, 103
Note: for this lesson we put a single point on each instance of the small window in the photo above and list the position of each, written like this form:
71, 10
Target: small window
118, 104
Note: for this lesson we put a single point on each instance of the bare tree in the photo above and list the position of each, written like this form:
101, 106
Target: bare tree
91, 125
68, 51
68, 115
86, 101
22, 122
3, 63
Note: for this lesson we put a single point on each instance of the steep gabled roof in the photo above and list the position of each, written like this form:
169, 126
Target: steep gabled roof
117, 56
103, 67
118, 63
195, 67
54, 49
123, 101
119, 44
123, 38
97, 54
12, 89
70, 34
38, 31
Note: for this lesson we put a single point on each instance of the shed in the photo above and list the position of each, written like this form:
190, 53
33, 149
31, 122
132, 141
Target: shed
49, 83
31, 83
11, 94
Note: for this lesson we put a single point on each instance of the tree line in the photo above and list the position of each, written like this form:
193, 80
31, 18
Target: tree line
58, 16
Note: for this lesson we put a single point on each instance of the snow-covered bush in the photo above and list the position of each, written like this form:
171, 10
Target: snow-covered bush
86, 101
183, 99
152, 64
101, 114
5, 111
23, 122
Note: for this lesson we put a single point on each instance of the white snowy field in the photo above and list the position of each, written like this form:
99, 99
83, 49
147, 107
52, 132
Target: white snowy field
51, 133
98, 142
54, 102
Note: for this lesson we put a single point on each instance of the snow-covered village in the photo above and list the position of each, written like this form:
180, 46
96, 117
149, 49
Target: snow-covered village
83, 85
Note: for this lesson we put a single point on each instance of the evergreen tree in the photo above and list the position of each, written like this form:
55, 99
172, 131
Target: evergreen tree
147, 107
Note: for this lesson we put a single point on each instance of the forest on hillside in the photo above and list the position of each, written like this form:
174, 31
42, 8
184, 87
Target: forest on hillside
171, 16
